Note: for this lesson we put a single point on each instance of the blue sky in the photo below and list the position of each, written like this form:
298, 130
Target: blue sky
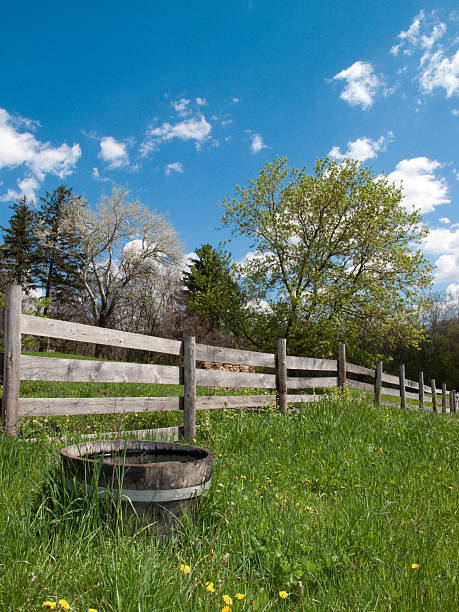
182, 101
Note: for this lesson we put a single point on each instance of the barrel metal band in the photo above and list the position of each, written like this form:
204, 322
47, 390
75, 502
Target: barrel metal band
160, 495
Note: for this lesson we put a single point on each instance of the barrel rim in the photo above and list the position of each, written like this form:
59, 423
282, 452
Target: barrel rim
70, 452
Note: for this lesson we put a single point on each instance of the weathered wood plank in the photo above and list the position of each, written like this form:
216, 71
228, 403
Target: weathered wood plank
189, 399
434, 395
421, 390
218, 378
443, 397
161, 434
2, 320
63, 406
389, 378
361, 386
356, 369
378, 381
410, 395
215, 402
303, 398
65, 330
411, 384
282, 374
389, 391
342, 366
12, 360
311, 364
402, 386
78, 370
312, 383
206, 352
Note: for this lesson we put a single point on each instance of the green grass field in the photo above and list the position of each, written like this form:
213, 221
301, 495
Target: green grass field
341, 505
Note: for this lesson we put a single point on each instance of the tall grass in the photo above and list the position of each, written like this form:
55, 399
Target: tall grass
342, 505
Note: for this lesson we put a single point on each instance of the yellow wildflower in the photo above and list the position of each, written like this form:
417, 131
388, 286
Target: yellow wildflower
49, 604
310, 509
283, 594
92, 610
415, 566
185, 569
226, 609
64, 604
227, 599
210, 587
243, 476
239, 596
278, 447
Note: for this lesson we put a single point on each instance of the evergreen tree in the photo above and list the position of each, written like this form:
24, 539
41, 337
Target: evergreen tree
18, 253
212, 292
60, 250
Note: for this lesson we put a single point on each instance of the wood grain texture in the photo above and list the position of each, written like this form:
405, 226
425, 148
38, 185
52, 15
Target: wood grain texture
189, 399
12, 360
312, 383
421, 391
411, 384
218, 378
206, 352
402, 386
309, 363
443, 397
78, 370
291, 398
65, 330
389, 378
356, 369
62, 406
389, 391
361, 386
378, 381
434, 395
215, 402
342, 366
282, 374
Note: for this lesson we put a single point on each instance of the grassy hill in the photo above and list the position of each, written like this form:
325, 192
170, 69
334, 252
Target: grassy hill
341, 505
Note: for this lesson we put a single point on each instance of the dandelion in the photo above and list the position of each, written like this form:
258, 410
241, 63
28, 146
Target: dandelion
239, 596
49, 604
34, 421
244, 477
220, 455
210, 587
226, 609
415, 566
278, 447
227, 599
450, 488
92, 610
283, 594
64, 604
185, 569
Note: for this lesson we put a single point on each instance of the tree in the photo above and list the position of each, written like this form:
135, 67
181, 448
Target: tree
122, 242
212, 292
336, 257
18, 253
60, 244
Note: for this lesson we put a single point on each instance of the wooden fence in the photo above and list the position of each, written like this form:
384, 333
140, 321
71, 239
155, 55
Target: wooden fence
286, 378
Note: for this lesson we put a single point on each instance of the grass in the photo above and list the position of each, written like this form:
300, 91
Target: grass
332, 504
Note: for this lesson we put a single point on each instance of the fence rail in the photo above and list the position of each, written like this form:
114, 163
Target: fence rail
308, 374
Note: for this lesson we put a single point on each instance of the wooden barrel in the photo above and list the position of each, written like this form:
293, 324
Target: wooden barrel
156, 482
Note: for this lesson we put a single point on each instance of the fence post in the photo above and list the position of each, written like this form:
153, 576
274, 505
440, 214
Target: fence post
189, 383
401, 379
454, 400
451, 401
378, 381
342, 366
443, 397
282, 374
12, 359
421, 390
434, 395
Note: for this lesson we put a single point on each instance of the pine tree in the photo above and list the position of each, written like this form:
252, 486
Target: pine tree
60, 250
211, 290
18, 253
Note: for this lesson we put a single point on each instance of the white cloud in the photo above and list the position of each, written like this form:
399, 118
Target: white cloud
257, 144
19, 148
27, 187
201, 101
445, 243
181, 106
440, 72
455, 112
113, 152
452, 292
174, 167
363, 148
361, 84
195, 128
422, 189
444, 220
235, 100
436, 68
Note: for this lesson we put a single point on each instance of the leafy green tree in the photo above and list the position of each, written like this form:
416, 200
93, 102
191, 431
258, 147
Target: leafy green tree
336, 257
59, 245
18, 253
212, 292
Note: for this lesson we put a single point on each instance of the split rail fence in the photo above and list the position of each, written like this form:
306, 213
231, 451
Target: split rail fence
290, 379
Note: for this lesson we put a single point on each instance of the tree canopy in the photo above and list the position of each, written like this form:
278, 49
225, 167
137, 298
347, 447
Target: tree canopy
336, 257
